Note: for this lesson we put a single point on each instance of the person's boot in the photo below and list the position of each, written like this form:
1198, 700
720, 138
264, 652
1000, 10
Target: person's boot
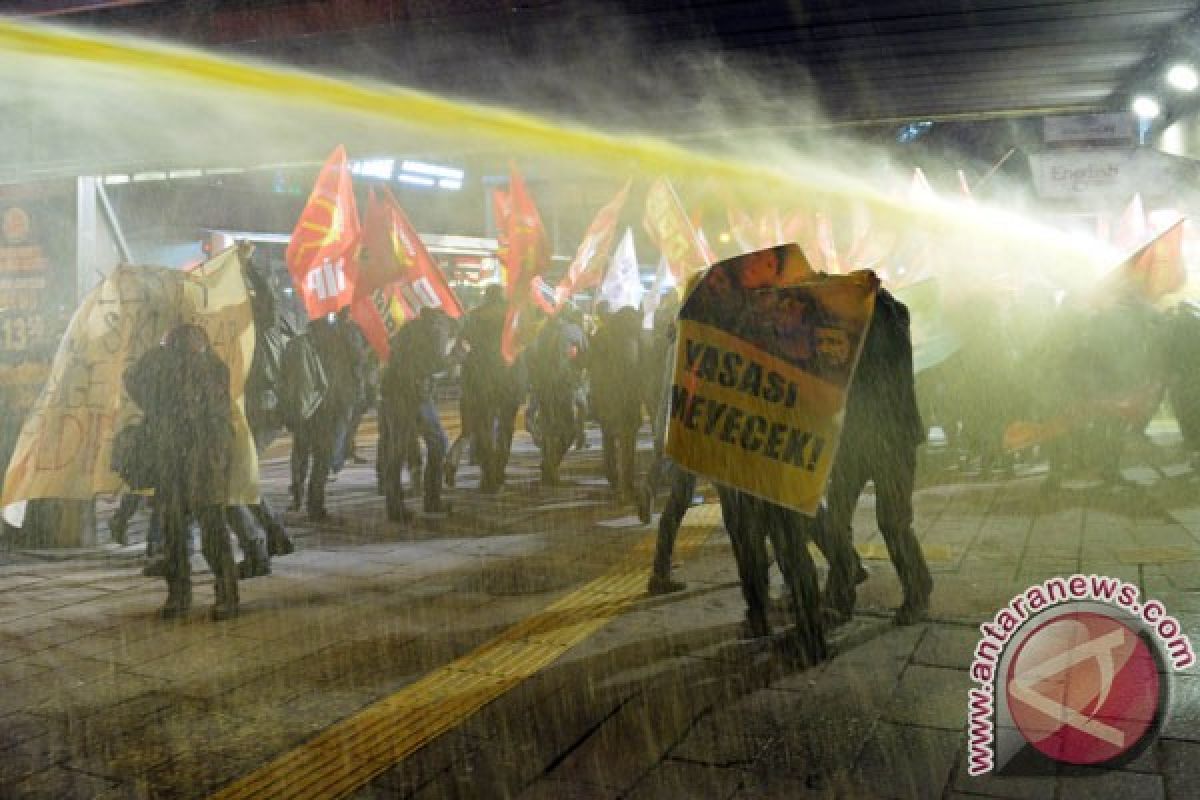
118, 528
278, 542
226, 590
257, 563
663, 584
297, 493
645, 505
179, 599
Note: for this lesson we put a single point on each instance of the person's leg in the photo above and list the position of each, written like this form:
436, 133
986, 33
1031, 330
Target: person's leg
177, 566
253, 542
626, 467
429, 427
218, 552
683, 486
834, 537
747, 535
393, 476
608, 450
893, 510
506, 426
301, 453
789, 540
324, 437
118, 526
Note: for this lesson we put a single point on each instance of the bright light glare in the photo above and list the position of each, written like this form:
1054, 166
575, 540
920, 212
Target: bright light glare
421, 168
373, 167
415, 180
447, 183
1183, 78
723, 237
1145, 107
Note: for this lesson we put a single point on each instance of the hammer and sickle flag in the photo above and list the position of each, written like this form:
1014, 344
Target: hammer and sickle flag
765, 352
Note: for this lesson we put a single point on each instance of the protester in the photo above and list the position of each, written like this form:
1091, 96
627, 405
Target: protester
491, 389
553, 380
880, 436
408, 410
182, 388
613, 356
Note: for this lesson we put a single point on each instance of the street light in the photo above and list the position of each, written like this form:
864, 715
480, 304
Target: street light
1183, 78
1145, 107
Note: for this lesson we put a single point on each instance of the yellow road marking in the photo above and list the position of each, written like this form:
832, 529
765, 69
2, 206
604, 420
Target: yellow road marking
347, 755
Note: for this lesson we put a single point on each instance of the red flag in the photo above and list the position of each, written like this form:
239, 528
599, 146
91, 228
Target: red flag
376, 314
1157, 269
393, 255
588, 267
669, 227
321, 256
502, 210
525, 256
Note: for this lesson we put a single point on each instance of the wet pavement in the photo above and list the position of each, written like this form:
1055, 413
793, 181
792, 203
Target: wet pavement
508, 651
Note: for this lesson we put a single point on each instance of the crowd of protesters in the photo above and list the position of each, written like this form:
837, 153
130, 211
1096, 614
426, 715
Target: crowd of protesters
608, 368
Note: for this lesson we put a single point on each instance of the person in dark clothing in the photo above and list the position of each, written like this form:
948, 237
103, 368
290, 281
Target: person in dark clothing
418, 353
492, 390
316, 439
182, 388
679, 499
356, 342
880, 436
265, 421
613, 356
553, 380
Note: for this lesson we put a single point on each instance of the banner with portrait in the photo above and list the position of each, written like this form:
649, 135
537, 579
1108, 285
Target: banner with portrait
765, 352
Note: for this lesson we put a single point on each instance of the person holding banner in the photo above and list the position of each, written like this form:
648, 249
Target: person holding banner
880, 437
182, 388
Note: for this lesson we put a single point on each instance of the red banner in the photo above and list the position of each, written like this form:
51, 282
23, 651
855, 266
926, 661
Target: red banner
1157, 269
394, 256
588, 267
525, 254
321, 256
669, 227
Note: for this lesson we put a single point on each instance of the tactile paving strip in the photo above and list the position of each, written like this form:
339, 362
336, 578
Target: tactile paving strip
347, 755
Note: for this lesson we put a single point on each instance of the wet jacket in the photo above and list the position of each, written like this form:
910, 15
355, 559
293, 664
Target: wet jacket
882, 404
189, 424
613, 359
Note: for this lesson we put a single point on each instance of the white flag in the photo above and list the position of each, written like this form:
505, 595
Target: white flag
622, 284
664, 279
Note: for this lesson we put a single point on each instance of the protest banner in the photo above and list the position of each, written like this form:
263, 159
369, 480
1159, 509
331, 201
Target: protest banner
321, 255
65, 445
765, 353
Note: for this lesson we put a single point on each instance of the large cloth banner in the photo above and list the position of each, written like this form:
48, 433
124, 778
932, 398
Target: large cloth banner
65, 446
321, 253
765, 353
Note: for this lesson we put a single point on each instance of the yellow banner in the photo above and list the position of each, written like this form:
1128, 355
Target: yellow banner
65, 446
762, 368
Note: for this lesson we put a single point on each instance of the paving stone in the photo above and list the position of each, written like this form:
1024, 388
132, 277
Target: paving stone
549, 789
674, 779
1179, 768
950, 646
1113, 786
903, 761
933, 697
1016, 787
61, 783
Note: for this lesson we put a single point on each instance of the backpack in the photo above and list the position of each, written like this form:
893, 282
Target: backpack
302, 381
132, 456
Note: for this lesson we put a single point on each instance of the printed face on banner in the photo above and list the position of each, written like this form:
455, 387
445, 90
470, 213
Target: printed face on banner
763, 365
